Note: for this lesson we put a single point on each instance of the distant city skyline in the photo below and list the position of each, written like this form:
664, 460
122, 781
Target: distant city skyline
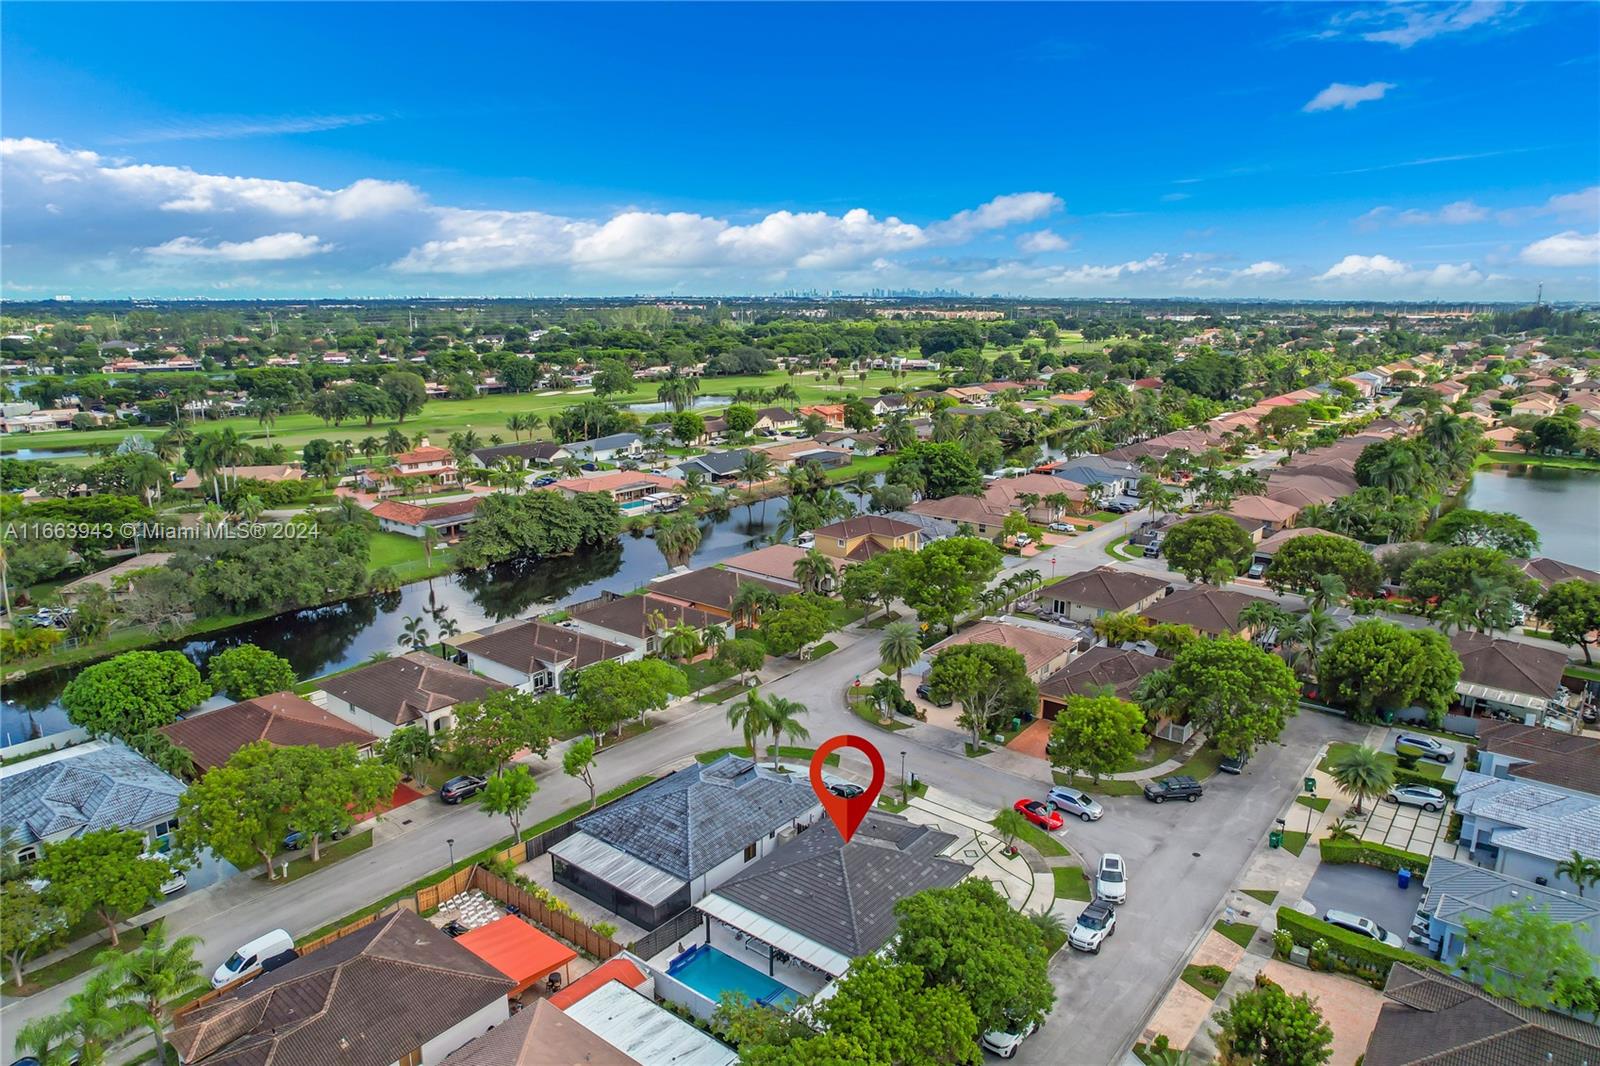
1443, 152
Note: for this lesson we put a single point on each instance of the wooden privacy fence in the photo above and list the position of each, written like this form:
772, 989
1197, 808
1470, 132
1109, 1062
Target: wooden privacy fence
565, 926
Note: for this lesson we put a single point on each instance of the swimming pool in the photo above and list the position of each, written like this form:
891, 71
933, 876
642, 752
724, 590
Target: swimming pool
711, 972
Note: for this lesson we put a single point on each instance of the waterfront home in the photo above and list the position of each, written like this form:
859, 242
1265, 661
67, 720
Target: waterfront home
533, 656
416, 688
638, 621
282, 719
861, 537
448, 519
712, 589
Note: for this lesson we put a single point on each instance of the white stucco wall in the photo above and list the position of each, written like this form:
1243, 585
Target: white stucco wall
469, 1028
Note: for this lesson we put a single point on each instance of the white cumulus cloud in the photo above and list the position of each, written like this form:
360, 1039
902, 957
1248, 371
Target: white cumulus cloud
1568, 249
1043, 240
273, 247
1339, 95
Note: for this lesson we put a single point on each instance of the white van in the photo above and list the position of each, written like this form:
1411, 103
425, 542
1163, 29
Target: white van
248, 959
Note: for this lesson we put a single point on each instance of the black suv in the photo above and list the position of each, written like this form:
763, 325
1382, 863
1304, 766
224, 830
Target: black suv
459, 788
1173, 788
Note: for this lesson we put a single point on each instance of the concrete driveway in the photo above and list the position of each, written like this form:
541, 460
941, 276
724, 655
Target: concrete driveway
1369, 892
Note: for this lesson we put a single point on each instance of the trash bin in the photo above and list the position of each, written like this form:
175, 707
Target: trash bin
1016, 724
1403, 878
1275, 839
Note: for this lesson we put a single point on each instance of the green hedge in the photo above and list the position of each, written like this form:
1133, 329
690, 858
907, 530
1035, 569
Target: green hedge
1360, 955
1368, 854
1412, 777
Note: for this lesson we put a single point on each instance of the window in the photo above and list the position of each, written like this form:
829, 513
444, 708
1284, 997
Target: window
750, 851
28, 854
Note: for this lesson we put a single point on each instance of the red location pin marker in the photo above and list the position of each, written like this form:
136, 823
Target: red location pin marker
847, 813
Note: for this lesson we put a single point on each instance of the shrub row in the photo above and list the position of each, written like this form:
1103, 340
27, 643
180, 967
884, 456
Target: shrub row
1368, 854
1364, 956
1402, 776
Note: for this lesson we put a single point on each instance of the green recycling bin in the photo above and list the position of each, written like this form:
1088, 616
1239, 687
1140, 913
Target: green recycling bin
1275, 839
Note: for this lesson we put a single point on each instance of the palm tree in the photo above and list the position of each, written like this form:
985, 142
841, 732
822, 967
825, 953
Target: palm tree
749, 716
681, 642
677, 538
713, 638
83, 1031
1050, 924
250, 507
783, 720
900, 647
1580, 871
749, 600
756, 466
678, 392
1312, 633
1010, 824
813, 571
1362, 772
156, 976
1261, 615
1329, 591
415, 636
447, 629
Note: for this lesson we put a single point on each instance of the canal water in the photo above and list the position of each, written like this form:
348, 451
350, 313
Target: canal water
321, 640
700, 403
1562, 504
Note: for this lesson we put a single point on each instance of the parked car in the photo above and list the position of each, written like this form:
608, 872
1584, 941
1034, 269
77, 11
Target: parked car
845, 790
247, 959
1111, 879
1040, 814
1004, 1043
1429, 799
1427, 747
1022, 540
1361, 926
541, 482
294, 840
1233, 764
1094, 926
459, 788
923, 692
1257, 569
1062, 527
1182, 787
1076, 802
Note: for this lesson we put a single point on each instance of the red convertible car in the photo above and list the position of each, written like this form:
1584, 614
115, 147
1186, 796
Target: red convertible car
1040, 814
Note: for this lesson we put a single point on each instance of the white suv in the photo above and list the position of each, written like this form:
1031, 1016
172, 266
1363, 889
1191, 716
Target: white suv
1097, 922
1427, 747
1111, 882
1355, 923
1429, 799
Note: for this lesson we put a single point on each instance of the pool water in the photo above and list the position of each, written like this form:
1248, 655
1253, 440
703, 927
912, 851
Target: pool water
711, 972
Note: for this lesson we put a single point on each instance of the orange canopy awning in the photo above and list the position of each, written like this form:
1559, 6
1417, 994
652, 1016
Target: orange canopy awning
517, 950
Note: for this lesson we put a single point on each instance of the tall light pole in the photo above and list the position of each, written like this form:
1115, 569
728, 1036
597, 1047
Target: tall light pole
904, 798
450, 842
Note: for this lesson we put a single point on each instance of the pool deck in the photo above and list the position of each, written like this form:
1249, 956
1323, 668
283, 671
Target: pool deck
804, 981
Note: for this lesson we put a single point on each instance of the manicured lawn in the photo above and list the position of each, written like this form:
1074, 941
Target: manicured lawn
862, 464
1071, 882
1294, 841
405, 556
881, 619
785, 752
823, 649
329, 855
1043, 842
1265, 895
1106, 787
1117, 550
1318, 803
867, 711
1208, 979
1238, 932
726, 692
890, 800
706, 672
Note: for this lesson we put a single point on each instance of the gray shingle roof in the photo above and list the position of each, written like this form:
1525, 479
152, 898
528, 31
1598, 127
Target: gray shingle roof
1459, 891
718, 464
694, 819
101, 785
1537, 820
843, 895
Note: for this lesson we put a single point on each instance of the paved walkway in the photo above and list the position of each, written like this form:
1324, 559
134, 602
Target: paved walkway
1013, 876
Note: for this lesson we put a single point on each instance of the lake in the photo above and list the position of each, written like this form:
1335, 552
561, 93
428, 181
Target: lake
321, 640
1562, 504
699, 403
42, 453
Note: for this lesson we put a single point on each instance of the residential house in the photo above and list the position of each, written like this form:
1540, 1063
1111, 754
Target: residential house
776, 420
1268, 513
436, 465
523, 454
773, 564
831, 413
1209, 611
1052, 498
933, 529
1431, 1019
1525, 830
1118, 669
75, 790
537, 1036
888, 404
1541, 404
659, 849
717, 466
634, 490
1459, 892
1044, 652
416, 688
1549, 572
863, 536
271, 474
1114, 478
638, 621
609, 449
1103, 590
282, 719
448, 519
798, 453
976, 395
804, 911
397, 993
533, 656
1303, 490
986, 515
855, 441
114, 578
1268, 549
1506, 676
1563, 761
647, 1033
712, 589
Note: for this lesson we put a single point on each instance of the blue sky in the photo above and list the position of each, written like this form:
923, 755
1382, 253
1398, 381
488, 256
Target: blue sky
1445, 151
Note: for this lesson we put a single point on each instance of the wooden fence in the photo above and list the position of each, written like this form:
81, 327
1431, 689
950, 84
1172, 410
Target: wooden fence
569, 928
